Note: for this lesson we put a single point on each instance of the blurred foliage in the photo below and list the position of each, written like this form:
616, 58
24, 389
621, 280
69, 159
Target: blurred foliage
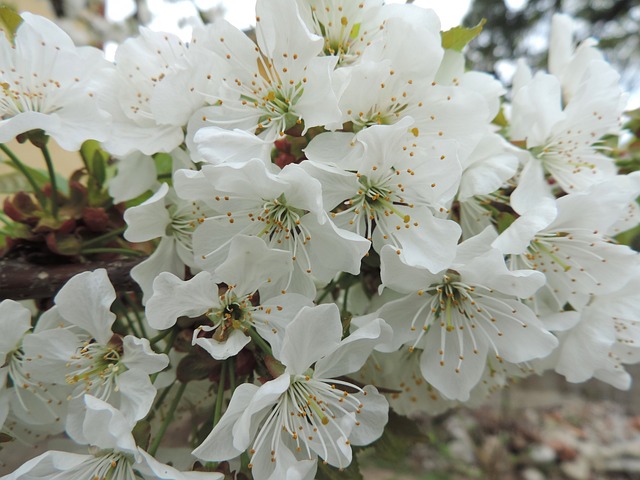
520, 29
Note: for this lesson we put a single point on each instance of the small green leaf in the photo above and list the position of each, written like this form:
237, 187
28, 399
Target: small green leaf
458, 37
13, 182
41, 178
98, 168
89, 150
164, 164
9, 22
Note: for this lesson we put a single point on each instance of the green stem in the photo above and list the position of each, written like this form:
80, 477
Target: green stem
42, 200
328, 289
122, 251
167, 349
264, 346
52, 177
160, 336
160, 400
217, 413
167, 420
232, 374
5, 219
344, 300
119, 308
139, 320
102, 238
130, 323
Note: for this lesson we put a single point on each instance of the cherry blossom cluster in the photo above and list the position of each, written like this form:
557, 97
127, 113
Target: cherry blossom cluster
354, 222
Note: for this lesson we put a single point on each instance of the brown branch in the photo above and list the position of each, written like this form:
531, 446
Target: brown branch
20, 280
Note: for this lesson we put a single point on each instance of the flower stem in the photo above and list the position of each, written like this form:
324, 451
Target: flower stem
217, 413
134, 309
102, 238
167, 349
232, 374
167, 420
160, 336
160, 400
52, 177
264, 346
328, 289
344, 300
125, 314
42, 200
122, 251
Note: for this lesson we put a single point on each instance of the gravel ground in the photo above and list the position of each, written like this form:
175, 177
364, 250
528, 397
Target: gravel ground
533, 431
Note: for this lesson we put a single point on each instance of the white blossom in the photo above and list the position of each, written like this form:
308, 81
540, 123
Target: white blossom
48, 83
464, 317
306, 412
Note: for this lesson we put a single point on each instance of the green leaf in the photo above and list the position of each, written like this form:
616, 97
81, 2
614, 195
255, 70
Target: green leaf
13, 182
41, 177
458, 37
9, 22
89, 150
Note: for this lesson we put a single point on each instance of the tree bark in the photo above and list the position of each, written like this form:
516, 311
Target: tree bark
20, 280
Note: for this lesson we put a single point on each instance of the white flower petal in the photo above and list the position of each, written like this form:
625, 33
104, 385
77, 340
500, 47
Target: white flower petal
174, 297
313, 333
85, 301
217, 447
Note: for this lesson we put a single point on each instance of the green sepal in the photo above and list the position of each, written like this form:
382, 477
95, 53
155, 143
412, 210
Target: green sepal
142, 434
500, 119
504, 221
274, 367
16, 231
64, 243
9, 22
458, 37
630, 238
